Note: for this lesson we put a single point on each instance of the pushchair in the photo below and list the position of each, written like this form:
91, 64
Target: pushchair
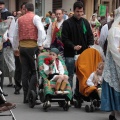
47, 91
86, 64
4, 101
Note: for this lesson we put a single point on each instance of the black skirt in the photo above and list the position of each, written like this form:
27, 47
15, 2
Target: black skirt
50, 76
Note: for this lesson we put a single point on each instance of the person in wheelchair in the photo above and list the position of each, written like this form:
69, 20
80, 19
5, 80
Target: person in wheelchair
55, 76
55, 70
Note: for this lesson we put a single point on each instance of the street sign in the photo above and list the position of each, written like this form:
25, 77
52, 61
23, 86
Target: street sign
102, 10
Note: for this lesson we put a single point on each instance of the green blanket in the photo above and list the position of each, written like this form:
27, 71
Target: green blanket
49, 86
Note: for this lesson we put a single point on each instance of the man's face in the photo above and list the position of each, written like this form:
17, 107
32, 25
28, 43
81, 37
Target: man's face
78, 13
2, 6
59, 15
23, 10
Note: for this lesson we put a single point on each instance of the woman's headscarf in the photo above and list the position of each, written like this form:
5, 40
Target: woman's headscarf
116, 13
111, 39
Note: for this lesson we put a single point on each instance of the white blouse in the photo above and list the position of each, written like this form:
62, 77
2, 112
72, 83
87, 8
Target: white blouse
90, 80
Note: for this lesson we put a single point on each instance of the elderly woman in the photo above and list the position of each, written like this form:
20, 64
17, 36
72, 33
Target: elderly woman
110, 99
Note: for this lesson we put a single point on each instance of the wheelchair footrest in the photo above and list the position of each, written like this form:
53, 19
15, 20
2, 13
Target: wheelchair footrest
62, 92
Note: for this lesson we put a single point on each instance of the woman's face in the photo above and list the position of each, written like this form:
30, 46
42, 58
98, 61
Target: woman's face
93, 17
53, 55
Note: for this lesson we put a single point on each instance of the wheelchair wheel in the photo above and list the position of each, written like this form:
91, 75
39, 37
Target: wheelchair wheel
87, 108
92, 108
66, 107
61, 103
77, 104
98, 104
32, 99
41, 95
46, 105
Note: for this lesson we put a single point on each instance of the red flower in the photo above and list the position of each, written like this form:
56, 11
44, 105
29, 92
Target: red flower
48, 60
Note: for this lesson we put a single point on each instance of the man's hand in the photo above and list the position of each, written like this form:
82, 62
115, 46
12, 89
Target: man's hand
77, 47
16, 52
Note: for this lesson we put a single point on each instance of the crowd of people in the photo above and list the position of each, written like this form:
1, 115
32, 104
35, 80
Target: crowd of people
66, 35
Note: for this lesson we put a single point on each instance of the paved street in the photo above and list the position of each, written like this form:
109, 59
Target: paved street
23, 112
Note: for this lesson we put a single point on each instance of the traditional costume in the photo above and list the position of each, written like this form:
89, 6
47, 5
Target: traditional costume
110, 100
4, 14
49, 87
8, 50
53, 38
29, 34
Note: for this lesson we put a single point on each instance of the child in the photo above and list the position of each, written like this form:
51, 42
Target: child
55, 70
95, 78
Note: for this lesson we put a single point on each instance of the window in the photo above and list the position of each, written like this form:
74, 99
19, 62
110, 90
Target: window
38, 7
57, 4
6, 4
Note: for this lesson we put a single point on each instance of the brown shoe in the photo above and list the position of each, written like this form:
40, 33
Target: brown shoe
3, 109
8, 105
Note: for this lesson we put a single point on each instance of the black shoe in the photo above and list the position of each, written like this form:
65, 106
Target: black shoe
72, 102
25, 100
18, 88
5, 94
111, 117
17, 92
9, 85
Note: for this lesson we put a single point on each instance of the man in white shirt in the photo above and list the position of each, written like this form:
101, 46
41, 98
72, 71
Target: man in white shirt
29, 33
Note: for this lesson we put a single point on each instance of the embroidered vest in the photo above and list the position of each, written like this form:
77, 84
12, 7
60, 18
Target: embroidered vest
56, 36
27, 30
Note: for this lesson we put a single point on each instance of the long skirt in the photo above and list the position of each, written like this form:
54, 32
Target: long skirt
9, 61
110, 98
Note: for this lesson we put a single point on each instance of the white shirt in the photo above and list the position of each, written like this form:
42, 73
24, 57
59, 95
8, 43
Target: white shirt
60, 69
48, 40
103, 35
90, 79
41, 32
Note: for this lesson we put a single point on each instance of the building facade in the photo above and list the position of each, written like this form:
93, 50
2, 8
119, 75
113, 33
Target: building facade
43, 6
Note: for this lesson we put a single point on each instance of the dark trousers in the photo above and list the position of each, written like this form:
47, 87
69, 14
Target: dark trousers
77, 87
1, 68
1, 100
28, 69
70, 64
18, 72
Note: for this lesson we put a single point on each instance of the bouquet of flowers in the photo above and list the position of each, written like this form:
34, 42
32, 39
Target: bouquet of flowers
48, 60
